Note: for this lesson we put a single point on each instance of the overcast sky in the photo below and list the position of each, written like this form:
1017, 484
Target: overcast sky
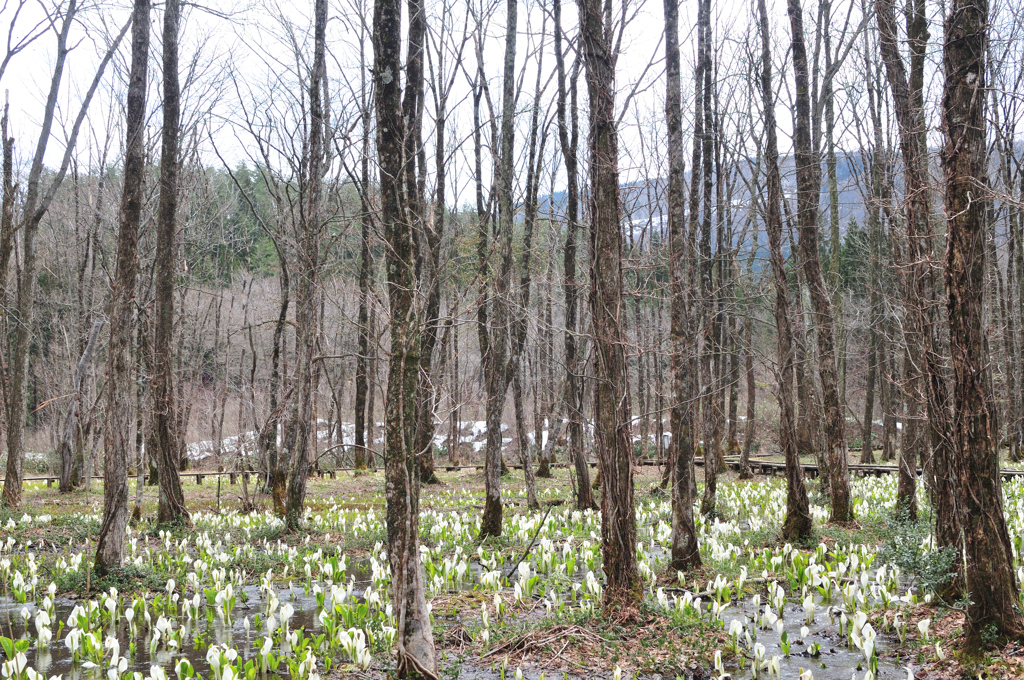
241, 63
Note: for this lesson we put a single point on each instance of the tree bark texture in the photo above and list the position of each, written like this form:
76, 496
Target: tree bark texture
989, 560
808, 172
685, 548
171, 504
797, 524
117, 447
612, 416
917, 282
568, 136
415, 642
307, 326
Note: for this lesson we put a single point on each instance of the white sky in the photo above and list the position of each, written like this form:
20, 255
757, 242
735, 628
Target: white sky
242, 63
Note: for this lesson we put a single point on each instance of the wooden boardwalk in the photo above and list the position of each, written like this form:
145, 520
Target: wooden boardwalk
757, 466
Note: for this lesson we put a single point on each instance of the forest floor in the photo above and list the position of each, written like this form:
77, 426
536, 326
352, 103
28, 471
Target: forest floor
552, 627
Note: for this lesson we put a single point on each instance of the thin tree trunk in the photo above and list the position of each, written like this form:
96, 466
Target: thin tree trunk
568, 135
306, 293
918, 285
797, 524
748, 362
428, 236
371, 396
110, 546
523, 441
875, 312
496, 356
363, 338
685, 548
711, 320
808, 173
67, 444
171, 506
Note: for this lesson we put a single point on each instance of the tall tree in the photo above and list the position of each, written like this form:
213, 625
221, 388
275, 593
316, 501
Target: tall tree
808, 174
302, 428
163, 444
797, 524
118, 447
705, 136
568, 137
612, 417
415, 640
363, 333
33, 208
989, 556
918, 286
427, 235
685, 550
495, 347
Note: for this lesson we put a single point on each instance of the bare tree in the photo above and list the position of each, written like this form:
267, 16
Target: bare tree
917, 283
568, 136
612, 417
496, 333
33, 208
302, 432
797, 524
365, 263
163, 437
117, 447
415, 643
808, 172
685, 548
988, 554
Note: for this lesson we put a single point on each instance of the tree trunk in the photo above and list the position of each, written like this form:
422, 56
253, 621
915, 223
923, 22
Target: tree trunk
522, 440
875, 312
171, 505
808, 173
797, 525
993, 590
428, 235
495, 349
611, 387
685, 548
110, 546
71, 427
568, 135
748, 363
415, 643
306, 293
363, 338
17, 408
710, 319
918, 285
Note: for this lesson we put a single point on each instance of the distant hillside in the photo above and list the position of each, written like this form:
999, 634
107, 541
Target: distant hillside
644, 203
